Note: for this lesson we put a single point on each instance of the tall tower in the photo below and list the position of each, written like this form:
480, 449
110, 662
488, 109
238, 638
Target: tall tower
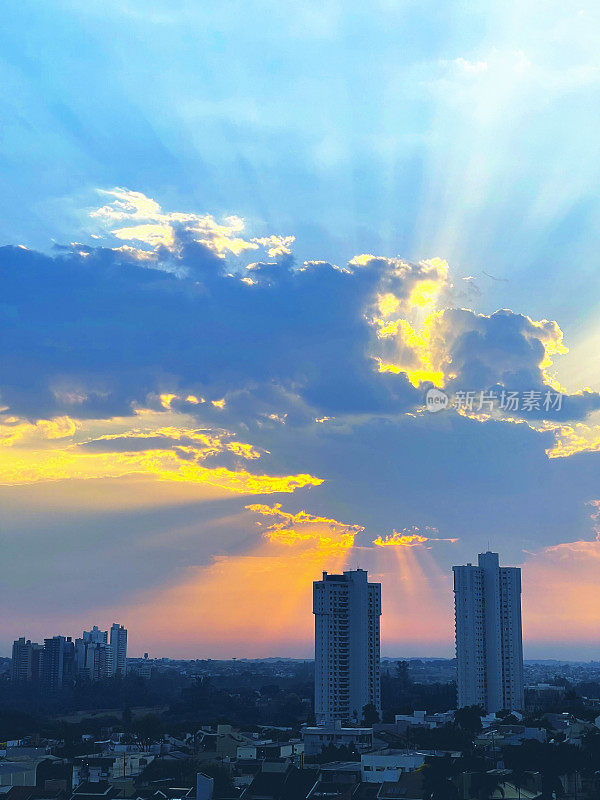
26, 660
489, 638
58, 664
347, 612
118, 645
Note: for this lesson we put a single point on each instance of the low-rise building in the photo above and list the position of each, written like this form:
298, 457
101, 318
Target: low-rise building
267, 749
20, 766
92, 769
319, 737
389, 765
508, 735
228, 741
420, 719
96, 790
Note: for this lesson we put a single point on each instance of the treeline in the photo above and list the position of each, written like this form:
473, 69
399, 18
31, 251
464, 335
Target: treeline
82, 695
243, 696
400, 695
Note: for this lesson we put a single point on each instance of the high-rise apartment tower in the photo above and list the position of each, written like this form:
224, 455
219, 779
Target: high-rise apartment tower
489, 639
347, 612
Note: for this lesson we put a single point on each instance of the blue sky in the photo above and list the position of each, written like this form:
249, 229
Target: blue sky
458, 134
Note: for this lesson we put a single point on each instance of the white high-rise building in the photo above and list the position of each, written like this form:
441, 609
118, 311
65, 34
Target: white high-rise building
489, 639
347, 612
118, 644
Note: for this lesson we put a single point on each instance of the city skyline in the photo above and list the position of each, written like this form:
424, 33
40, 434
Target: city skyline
488, 639
57, 662
290, 292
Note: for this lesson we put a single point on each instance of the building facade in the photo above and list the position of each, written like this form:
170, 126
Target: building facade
27, 661
95, 636
58, 665
94, 658
347, 613
118, 644
317, 738
489, 639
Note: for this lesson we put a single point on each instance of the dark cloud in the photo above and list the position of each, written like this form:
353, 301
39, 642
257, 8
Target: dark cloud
479, 481
91, 334
505, 351
92, 331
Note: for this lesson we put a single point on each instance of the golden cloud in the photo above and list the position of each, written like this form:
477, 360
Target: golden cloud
404, 322
291, 529
15, 429
35, 453
409, 537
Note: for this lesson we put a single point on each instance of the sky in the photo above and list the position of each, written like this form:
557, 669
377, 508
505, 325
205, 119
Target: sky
240, 245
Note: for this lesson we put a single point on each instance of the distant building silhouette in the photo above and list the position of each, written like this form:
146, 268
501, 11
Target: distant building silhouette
118, 644
26, 661
93, 655
95, 636
489, 641
58, 666
347, 613
57, 662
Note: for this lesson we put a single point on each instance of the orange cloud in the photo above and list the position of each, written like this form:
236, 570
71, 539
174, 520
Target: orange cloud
304, 527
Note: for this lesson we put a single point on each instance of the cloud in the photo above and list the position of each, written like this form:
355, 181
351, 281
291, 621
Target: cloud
410, 537
193, 368
162, 453
303, 527
580, 437
471, 67
505, 351
151, 226
15, 429
104, 333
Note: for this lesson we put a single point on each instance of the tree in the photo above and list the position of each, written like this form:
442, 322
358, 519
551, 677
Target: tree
148, 728
486, 784
331, 753
437, 779
402, 675
469, 718
370, 715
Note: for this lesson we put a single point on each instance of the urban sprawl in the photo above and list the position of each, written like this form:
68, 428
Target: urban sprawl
80, 720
